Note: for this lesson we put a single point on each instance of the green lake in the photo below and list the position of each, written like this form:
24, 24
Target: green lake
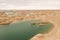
23, 30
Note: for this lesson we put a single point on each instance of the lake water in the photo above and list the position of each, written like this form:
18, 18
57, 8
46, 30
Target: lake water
23, 30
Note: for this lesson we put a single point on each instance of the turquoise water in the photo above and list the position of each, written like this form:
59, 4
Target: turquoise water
23, 30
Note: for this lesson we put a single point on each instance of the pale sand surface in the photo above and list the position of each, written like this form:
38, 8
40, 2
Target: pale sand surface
52, 16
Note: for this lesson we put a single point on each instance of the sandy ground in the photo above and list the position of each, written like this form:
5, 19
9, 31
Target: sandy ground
55, 33
52, 16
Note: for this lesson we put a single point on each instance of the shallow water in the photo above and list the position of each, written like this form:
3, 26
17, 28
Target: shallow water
23, 30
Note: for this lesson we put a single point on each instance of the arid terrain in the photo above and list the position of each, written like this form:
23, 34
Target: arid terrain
44, 15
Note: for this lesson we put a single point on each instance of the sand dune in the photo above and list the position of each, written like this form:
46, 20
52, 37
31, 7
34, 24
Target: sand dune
48, 15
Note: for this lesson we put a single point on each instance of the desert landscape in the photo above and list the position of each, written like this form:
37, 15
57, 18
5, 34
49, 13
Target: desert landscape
53, 16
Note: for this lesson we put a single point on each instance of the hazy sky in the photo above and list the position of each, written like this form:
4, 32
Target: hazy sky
29, 4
